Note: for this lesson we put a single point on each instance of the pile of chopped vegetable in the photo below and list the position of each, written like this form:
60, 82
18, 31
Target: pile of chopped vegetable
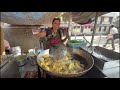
20, 57
74, 41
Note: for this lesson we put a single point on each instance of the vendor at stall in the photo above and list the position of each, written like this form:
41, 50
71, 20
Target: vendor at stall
4, 46
53, 35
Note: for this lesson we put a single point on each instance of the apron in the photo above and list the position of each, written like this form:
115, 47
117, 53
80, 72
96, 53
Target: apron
53, 40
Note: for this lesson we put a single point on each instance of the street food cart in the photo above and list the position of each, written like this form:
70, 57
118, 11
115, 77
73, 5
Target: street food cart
102, 64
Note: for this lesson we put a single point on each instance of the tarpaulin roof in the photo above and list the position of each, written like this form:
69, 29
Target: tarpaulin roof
41, 18
28, 18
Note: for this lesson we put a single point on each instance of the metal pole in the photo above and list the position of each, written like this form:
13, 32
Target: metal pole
75, 31
99, 39
94, 29
70, 25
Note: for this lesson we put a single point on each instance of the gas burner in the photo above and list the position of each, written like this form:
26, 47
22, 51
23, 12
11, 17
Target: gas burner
31, 74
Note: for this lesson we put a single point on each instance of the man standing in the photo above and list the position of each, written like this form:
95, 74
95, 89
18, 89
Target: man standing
113, 31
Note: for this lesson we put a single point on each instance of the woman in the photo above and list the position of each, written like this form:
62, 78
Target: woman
53, 35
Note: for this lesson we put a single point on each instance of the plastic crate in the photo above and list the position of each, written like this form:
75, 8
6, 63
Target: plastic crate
81, 44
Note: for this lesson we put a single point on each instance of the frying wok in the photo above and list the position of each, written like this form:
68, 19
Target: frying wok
82, 56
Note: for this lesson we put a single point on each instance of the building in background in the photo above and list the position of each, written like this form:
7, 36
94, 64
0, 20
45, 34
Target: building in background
117, 23
103, 25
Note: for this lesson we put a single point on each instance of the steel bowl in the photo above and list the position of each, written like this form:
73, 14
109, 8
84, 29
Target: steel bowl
33, 60
21, 60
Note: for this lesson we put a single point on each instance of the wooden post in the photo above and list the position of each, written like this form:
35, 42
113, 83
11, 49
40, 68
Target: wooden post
2, 47
94, 29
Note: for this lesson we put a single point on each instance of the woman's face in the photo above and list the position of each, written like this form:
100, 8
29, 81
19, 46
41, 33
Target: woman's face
56, 24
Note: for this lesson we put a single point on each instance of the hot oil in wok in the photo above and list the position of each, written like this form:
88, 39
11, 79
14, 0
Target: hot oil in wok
80, 59
70, 64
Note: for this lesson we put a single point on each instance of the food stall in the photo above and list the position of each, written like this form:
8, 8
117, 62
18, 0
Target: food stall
30, 68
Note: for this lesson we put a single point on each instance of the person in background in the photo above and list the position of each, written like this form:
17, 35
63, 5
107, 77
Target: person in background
2, 48
113, 32
53, 35
7, 47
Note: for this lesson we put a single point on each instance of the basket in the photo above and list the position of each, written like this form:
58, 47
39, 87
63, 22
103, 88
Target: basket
82, 43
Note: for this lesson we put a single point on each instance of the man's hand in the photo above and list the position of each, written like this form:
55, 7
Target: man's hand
109, 36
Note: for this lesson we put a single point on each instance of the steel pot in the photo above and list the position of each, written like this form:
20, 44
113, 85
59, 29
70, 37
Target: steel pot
21, 60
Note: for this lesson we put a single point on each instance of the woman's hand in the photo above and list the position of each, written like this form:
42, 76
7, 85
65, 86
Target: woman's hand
38, 35
41, 34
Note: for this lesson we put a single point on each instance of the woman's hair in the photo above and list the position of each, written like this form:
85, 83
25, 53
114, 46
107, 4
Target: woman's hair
55, 19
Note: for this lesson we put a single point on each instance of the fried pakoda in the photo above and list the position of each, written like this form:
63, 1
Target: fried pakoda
63, 66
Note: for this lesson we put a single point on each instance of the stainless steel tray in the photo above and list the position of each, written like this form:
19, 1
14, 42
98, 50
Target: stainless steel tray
5, 59
104, 58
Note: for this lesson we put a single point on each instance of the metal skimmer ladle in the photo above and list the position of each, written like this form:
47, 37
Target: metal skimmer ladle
57, 51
